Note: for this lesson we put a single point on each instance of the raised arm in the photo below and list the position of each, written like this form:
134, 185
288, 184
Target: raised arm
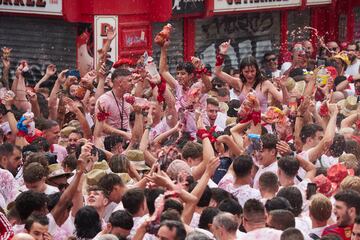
170, 112
53, 95
350, 120
232, 81
308, 166
163, 67
50, 71
317, 151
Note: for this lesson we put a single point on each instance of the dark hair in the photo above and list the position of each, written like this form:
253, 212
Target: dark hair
219, 194
338, 146
42, 219
70, 161
108, 181
111, 140
119, 163
47, 124
282, 219
6, 149
254, 209
309, 130
87, 222
207, 217
187, 66
269, 181
34, 172
351, 146
170, 214
212, 101
205, 197
231, 206
122, 219
41, 143
173, 204
277, 203
54, 198
351, 198
269, 141
179, 227
293, 195
292, 234
268, 54
192, 150
289, 165
28, 202
151, 195
37, 158
243, 165
133, 200
120, 72
250, 61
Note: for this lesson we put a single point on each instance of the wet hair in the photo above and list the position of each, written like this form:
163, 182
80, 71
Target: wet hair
170, 214
36, 218
187, 66
231, 206
119, 163
254, 210
205, 197
120, 72
212, 101
151, 195
289, 165
111, 140
47, 124
242, 166
309, 130
28, 202
351, 146
133, 199
6, 149
207, 217
293, 195
350, 197
250, 61
122, 219
87, 222
42, 144
292, 234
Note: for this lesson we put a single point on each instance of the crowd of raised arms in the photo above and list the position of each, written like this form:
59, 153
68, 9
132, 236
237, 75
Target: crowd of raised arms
135, 152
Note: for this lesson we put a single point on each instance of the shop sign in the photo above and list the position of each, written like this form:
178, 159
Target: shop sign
243, 5
46, 7
180, 7
318, 2
101, 25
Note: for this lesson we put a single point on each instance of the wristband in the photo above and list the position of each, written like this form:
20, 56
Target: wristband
219, 60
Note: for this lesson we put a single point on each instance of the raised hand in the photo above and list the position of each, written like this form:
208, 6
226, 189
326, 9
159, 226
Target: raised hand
62, 77
224, 47
196, 62
283, 148
111, 33
50, 70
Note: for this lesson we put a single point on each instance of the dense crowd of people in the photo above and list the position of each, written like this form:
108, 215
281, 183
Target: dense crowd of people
133, 152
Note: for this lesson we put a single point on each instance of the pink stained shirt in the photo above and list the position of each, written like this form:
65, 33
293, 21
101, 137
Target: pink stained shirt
108, 102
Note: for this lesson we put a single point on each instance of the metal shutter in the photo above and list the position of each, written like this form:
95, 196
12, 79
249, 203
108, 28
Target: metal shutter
176, 49
250, 34
297, 20
357, 24
40, 41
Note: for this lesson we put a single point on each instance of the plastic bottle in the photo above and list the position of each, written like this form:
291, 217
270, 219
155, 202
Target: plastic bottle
150, 67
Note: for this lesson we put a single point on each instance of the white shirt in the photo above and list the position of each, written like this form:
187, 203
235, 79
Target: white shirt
195, 220
353, 69
318, 231
137, 223
242, 193
220, 121
48, 190
262, 233
271, 168
303, 224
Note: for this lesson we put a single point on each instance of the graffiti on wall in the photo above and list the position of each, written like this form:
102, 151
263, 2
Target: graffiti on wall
250, 34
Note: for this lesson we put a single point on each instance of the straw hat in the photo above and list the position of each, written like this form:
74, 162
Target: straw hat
99, 170
137, 158
292, 85
55, 170
348, 106
65, 132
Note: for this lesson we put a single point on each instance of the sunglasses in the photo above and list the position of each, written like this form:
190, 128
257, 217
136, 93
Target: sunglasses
333, 49
271, 59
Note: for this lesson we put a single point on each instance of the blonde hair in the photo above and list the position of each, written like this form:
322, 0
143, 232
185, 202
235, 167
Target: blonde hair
350, 160
320, 207
351, 182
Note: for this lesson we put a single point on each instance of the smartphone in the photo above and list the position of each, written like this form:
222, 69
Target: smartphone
73, 72
108, 65
94, 151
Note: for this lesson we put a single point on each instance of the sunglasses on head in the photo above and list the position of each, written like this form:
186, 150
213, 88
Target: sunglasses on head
271, 59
